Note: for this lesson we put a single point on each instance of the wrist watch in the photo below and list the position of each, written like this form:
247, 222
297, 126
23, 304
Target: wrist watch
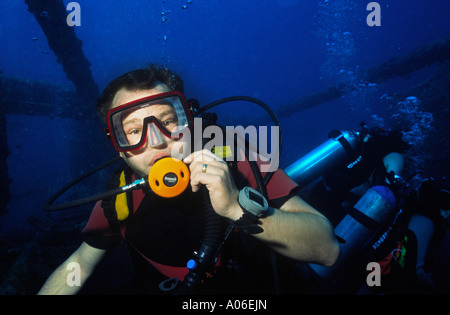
255, 206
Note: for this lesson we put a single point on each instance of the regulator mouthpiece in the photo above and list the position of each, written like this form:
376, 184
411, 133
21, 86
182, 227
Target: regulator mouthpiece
168, 177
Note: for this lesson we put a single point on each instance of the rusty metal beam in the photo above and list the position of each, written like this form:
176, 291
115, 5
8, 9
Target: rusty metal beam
51, 16
420, 57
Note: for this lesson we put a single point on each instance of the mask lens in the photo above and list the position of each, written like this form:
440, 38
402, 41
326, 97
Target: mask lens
164, 114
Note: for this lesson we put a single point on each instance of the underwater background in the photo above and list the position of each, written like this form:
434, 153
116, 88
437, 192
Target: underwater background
318, 64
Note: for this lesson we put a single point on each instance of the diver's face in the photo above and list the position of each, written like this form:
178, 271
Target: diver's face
142, 160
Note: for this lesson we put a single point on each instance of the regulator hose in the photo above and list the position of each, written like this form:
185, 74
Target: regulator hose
250, 100
48, 206
203, 260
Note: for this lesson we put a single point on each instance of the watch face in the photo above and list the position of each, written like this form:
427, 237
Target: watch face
254, 206
252, 201
256, 198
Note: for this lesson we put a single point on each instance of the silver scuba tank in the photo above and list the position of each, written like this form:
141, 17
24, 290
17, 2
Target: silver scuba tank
329, 154
359, 226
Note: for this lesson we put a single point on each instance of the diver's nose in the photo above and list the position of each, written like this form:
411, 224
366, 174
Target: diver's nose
155, 138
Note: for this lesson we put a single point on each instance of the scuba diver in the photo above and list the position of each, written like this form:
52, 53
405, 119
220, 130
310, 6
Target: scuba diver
197, 205
378, 216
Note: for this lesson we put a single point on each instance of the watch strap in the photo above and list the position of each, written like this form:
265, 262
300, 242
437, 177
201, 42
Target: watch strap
248, 222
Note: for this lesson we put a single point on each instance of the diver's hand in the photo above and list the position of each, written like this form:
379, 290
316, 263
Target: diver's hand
217, 179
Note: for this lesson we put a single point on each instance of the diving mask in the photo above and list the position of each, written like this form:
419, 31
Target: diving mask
148, 119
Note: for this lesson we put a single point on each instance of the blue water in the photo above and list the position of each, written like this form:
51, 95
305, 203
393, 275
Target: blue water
278, 51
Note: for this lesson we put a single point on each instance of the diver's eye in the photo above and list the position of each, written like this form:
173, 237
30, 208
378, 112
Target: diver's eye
170, 124
134, 135
134, 132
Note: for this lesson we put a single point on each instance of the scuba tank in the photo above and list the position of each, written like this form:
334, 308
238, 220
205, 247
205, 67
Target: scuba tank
341, 146
364, 219
359, 226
